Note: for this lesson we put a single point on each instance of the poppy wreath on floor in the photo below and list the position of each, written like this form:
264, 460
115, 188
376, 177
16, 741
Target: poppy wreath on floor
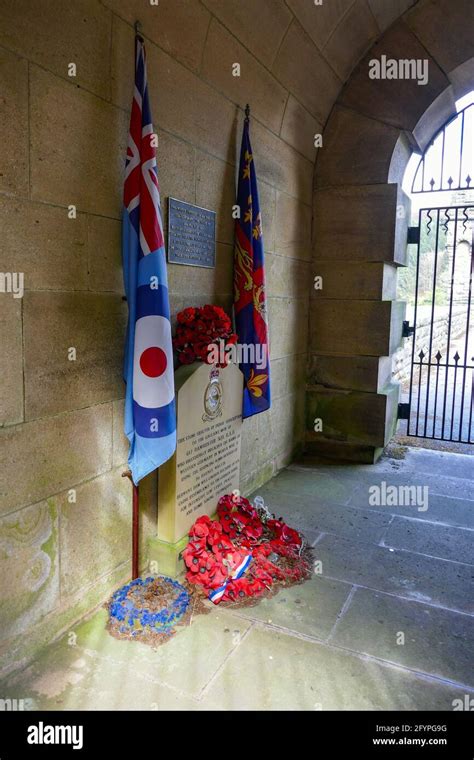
245, 553
134, 606
151, 610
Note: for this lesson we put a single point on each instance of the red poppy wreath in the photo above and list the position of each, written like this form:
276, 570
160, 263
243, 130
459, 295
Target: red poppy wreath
245, 553
199, 328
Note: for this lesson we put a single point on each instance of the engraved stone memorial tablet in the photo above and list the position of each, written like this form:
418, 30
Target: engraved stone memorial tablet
206, 464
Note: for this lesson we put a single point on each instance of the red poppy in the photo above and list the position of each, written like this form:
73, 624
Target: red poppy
220, 543
203, 567
188, 556
259, 573
241, 519
215, 531
275, 526
237, 590
193, 550
254, 530
257, 586
201, 527
186, 315
219, 576
228, 524
224, 506
290, 536
243, 504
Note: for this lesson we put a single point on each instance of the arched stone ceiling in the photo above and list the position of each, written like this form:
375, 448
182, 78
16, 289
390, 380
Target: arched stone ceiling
295, 55
371, 118
310, 49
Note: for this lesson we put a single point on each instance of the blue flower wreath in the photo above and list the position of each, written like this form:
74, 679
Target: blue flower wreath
123, 609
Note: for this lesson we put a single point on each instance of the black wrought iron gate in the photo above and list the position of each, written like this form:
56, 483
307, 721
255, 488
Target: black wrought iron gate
441, 397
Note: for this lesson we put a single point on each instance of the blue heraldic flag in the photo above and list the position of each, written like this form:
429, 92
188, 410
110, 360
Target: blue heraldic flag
249, 286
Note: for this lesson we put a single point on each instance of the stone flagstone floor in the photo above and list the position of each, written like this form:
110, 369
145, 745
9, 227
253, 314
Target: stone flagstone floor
331, 643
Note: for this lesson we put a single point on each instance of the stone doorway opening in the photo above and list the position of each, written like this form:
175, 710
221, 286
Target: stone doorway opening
361, 216
435, 363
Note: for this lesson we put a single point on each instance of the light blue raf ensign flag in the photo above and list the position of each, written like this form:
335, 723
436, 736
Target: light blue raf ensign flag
150, 414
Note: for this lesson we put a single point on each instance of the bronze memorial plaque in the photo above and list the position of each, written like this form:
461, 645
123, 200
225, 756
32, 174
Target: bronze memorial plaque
191, 234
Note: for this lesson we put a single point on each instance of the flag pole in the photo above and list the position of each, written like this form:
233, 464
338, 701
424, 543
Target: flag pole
135, 525
138, 29
153, 337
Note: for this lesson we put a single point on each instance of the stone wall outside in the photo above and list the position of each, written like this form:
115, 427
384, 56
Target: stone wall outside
402, 358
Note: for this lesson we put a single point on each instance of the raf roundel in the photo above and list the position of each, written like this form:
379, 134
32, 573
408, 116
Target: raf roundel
153, 385
153, 361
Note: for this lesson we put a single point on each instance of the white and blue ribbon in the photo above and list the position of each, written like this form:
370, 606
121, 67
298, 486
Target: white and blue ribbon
217, 594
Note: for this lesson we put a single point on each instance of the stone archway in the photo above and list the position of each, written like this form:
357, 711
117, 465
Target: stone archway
360, 220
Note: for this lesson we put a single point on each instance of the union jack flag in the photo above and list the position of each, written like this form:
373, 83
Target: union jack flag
150, 414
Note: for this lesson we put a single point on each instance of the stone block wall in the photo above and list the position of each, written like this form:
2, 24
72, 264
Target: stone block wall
65, 510
64, 507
